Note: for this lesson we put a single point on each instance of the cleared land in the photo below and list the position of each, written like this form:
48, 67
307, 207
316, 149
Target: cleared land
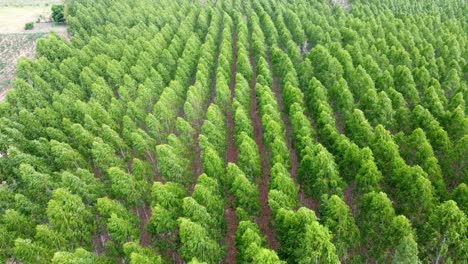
15, 42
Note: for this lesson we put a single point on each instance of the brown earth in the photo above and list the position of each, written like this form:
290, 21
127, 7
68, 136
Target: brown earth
144, 214
231, 156
305, 200
264, 218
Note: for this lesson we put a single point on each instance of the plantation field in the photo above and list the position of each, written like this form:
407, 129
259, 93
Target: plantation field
235, 131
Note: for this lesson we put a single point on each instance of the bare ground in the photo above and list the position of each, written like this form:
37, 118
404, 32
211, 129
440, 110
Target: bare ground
231, 156
349, 198
100, 238
15, 42
144, 214
196, 163
339, 122
305, 200
264, 218
12, 47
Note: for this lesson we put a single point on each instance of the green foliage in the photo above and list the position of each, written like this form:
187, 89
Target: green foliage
304, 240
243, 189
135, 136
196, 242
382, 231
79, 256
249, 156
319, 173
138, 254
29, 26
250, 245
69, 217
336, 215
445, 236
124, 186
58, 13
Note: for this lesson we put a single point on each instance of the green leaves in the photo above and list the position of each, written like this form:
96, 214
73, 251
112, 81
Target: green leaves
445, 236
197, 243
250, 245
79, 256
336, 216
319, 172
125, 186
69, 217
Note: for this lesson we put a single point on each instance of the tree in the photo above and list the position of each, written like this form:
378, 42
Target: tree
79, 256
245, 192
69, 217
318, 172
122, 229
29, 252
104, 155
249, 243
420, 152
406, 252
375, 217
358, 128
197, 213
172, 165
404, 83
167, 207
266, 256
48, 238
29, 26
57, 13
84, 184
249, 157
125, 186
162, 220
39, 185
212, 163
336, 216
445, 234
65, 156
302, 238
140, 255
243, 123
281, 180
197, 243
368, 177
460, 196
316, 245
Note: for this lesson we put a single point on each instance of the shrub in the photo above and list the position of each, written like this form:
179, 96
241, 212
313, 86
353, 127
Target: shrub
57, 13
29, 26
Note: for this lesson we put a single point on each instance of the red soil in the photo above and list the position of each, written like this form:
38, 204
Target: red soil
144, 214
196, 163
305, 200
348, 193
231, 221
339, 123
264, 218
100, 238
231, 156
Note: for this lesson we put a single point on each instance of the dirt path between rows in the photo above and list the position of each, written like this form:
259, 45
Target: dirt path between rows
264, 218
197, 166
231, 156
305, 200
144, 214
100, 238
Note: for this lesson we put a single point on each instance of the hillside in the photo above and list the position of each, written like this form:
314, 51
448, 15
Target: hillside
235, 131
